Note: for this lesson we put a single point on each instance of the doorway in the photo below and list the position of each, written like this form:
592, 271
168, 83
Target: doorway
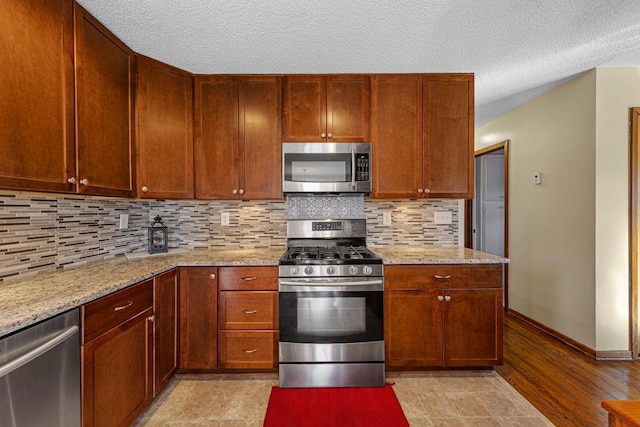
634, 224
486, 216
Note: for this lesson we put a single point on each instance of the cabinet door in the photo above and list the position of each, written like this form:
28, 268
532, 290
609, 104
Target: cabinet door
260, 118
104, 109
448, 135
37, 133
117, 379
396, 127
198, 318
472, 327
165, 329
348, 108
216, 137
164, 137
413, 328
305, 108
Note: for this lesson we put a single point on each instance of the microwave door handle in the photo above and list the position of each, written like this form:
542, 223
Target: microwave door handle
353, 167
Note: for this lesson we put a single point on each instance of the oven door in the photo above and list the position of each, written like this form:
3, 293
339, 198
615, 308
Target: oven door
331, 319
328, 167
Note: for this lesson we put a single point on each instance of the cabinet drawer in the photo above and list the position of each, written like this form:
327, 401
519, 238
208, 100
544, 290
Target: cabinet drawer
248, 278
112, 310
248, 349
248, 310
440, 276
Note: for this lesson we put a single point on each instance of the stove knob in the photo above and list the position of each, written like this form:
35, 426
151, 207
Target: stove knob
308, 270
294, 270
331, 270
367, 270
353, 270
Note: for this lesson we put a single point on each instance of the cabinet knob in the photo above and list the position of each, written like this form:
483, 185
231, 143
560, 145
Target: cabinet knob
84, 181
323, 135
241, 191
426, 190
420, 190
329, 135
212, 276
145, 189
440, 298
72, 180
447, 298
235, 191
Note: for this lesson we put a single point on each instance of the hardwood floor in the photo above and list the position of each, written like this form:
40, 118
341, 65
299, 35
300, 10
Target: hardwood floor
564, 384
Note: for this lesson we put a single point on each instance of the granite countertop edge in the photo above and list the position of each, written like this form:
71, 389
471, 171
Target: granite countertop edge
29, 300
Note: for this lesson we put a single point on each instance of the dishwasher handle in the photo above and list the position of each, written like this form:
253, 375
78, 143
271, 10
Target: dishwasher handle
9, 367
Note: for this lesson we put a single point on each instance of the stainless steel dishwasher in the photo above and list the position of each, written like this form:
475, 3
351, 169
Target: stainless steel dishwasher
40, 374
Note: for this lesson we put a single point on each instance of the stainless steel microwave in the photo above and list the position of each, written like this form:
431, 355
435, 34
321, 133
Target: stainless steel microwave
319, 167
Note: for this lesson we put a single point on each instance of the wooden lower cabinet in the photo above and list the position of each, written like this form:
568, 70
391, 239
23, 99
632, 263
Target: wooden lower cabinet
248, 318
165, 330
443, 315
117, 357
198, 318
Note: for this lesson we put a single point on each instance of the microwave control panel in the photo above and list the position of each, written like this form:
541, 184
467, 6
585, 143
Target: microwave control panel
362, 167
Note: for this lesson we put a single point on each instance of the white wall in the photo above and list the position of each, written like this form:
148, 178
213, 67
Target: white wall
552, 225
568, 238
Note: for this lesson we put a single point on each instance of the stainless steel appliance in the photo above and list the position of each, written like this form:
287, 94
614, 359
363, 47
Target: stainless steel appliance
40, 374
330, 307
317, 167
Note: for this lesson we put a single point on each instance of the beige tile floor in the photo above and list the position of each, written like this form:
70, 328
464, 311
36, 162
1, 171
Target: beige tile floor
443, 399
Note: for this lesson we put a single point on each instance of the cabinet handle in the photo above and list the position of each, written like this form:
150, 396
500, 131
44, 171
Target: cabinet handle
212, 276
246, 350
122, 307
235, 191
145, 189
420, 190
440, 298
72, 180
426, 190
329, 135
84, 181
241, 191
437, 276
447, 298
152, 318
249, 279
249, 311
323, 135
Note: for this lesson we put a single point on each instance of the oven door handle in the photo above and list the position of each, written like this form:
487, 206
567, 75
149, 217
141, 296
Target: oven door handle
353, 167
311, 285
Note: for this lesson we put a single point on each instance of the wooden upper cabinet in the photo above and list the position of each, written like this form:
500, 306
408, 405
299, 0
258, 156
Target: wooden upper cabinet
237, 137
164, 138
396, 135
448, 135
104, 109
334, 108
36, 107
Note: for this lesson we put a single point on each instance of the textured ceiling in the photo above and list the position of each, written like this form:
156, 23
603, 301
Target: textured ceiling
518, 49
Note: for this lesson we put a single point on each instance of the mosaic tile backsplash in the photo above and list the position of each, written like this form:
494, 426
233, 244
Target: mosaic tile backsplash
47, 232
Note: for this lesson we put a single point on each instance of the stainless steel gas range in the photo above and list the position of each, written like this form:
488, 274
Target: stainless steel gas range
330, 306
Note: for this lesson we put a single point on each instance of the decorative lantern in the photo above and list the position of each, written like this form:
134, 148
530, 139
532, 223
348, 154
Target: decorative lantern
158, 236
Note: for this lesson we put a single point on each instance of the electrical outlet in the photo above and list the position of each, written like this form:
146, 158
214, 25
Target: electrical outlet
124, 221
224, 218
386, 218
537, 178
442, 218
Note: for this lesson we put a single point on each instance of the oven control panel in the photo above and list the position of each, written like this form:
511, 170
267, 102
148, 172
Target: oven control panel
326, 226
331, 270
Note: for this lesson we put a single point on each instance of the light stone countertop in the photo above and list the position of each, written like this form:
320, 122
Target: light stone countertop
26, 301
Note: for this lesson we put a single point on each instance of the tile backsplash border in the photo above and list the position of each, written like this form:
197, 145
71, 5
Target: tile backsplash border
45, 232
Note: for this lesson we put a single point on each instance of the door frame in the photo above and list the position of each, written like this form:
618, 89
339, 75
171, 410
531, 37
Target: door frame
634, 224
468, 209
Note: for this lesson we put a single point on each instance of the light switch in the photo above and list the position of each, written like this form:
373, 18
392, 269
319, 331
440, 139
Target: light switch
386, 218
124, 221
442, 218
224, 218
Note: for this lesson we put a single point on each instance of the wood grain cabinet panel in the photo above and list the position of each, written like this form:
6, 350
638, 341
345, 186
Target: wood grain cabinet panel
198, 318
37, 103
117, 364
248, 310
164, 131
443, 315
238, 137
249, 350
104, 109
165, 329
321, 108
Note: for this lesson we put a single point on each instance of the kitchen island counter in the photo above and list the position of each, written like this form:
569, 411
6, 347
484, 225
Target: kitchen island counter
435, 255
24, 302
